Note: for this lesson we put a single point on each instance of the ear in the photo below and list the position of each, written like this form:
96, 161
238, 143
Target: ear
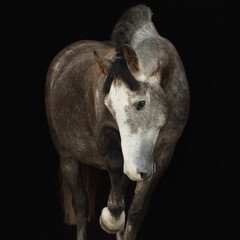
131, 58
103, 64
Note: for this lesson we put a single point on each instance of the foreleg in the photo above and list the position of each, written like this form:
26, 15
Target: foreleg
143, 192
112, 218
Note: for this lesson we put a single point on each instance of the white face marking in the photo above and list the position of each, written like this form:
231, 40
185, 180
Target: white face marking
138, 129
118, 98
117, 101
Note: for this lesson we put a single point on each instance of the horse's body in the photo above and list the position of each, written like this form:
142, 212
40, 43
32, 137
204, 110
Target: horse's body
74, 85
87, 124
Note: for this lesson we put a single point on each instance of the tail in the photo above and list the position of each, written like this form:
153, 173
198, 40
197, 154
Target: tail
90, 179
69, 215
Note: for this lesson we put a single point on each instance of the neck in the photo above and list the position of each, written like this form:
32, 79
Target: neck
147, 30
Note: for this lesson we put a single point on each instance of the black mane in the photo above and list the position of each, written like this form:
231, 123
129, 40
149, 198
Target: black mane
131, 20
120, 70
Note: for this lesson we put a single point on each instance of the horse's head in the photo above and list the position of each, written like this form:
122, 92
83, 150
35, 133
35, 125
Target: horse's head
138, 104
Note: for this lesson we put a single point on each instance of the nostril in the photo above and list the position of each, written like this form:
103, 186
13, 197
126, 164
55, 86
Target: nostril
144, 176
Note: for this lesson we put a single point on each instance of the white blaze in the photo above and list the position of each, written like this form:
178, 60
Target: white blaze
117, 101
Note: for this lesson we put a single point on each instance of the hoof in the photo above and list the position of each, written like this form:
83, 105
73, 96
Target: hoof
110, 223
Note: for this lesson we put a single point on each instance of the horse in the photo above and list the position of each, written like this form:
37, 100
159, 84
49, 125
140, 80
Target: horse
118, 106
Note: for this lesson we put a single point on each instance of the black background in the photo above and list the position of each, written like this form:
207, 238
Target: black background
192, 199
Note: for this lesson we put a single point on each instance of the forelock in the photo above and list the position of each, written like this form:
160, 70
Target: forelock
119, 69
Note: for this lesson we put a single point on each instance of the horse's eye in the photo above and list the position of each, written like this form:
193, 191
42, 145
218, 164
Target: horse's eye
140, 105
